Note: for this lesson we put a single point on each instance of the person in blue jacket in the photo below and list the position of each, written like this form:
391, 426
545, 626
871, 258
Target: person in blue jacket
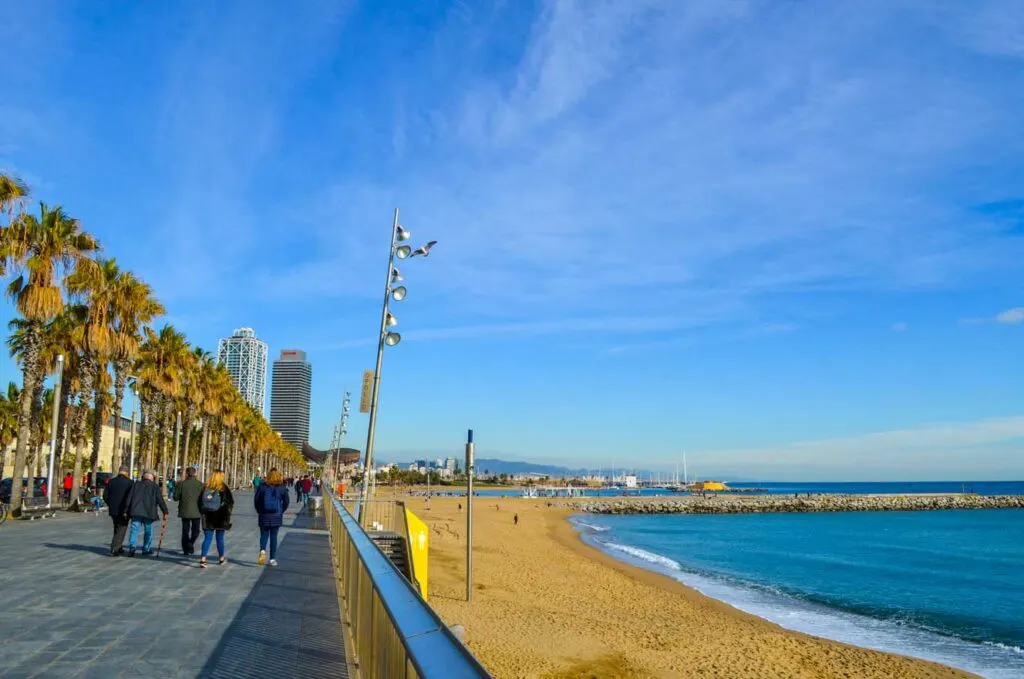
270, 501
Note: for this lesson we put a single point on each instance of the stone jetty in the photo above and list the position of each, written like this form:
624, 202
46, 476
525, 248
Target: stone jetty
762, 504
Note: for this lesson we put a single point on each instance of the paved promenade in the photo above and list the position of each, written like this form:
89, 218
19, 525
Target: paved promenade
67, 609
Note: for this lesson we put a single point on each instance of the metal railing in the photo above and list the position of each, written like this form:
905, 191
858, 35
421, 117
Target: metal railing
395, 632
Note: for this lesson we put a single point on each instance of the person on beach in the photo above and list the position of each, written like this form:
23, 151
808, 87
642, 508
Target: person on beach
188, 494
116, 496
216, 504
270, 502
144, 501
515, 520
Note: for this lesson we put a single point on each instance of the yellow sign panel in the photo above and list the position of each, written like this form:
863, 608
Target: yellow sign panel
364, 398
419, 543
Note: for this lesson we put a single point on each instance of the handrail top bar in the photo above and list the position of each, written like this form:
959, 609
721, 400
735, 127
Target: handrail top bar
431, 647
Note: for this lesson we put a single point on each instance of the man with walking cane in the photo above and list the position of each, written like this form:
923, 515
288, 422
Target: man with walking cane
143, 502
188, 494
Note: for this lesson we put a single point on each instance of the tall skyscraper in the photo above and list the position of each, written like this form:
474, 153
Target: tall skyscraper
289, 397
245, 357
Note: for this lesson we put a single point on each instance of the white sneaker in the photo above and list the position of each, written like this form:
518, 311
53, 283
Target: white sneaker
263, 557
273, 562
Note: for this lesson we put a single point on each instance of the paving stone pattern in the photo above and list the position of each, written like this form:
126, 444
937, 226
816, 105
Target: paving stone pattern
67, 609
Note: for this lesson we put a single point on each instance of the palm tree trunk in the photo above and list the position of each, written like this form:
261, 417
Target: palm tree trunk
62, 420
187, 424
100, 402
76, 483
31, 368
36, 440
120, 380
202, 455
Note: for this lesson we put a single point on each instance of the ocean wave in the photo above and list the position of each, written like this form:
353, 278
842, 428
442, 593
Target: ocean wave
644, 555
992, 660
593, 527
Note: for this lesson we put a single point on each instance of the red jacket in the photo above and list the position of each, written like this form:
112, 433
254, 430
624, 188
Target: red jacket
307, 485
68, 482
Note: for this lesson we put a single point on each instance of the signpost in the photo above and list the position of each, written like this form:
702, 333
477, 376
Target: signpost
364, 396
469, 516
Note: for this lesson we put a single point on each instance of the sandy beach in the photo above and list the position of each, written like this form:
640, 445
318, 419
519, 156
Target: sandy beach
547, 605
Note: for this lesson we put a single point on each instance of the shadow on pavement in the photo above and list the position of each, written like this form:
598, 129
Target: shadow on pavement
289, 625
95, 549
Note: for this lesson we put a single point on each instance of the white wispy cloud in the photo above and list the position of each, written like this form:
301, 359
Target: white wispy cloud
665, 155
568, 326
900, 327
999, 442
1011, 316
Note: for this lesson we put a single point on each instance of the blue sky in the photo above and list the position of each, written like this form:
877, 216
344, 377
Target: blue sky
783, 237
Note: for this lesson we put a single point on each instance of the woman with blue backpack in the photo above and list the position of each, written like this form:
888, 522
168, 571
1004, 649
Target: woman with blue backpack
271, 501
216, 504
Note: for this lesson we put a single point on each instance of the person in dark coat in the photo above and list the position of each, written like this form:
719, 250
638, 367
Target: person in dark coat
216, 504
115, 496
271, 502
187, 494
144, 502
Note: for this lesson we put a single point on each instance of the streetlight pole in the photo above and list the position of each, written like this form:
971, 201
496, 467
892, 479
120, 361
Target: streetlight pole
341, 431
134, 387
371, 430
53, 429
470, 454
177, 440
386, 338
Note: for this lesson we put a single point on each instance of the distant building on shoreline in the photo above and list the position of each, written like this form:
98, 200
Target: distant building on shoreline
245, 357
290, 388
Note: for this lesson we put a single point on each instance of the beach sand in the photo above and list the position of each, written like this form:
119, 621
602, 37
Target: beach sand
545, 604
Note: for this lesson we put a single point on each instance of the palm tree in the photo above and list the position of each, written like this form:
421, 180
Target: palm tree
135, 308
12, 191
8, 421
160, 381
192, 393
99, 288
41, 248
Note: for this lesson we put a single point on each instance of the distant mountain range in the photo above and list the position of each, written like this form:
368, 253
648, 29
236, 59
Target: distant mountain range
512, 467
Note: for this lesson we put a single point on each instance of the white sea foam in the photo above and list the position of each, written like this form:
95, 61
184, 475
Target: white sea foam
644, 555
593, 527
991, 660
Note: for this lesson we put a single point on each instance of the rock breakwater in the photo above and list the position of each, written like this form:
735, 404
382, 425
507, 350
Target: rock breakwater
728, 504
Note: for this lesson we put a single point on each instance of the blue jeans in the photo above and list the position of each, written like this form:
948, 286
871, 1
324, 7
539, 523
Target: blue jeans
147, 540
208, 538
270, 533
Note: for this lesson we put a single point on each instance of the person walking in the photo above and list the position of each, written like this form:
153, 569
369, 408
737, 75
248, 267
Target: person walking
307, 487
216, 504
256, 481
271, 502
188, 494
298, 490
116, 496
69, 483
143, 503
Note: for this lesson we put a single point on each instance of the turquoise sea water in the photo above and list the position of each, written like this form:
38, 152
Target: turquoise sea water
944, 585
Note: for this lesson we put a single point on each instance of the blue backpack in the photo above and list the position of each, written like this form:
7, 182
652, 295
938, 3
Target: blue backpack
211, 500
271, 501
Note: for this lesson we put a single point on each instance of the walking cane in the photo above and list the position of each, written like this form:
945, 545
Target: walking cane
163, 529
